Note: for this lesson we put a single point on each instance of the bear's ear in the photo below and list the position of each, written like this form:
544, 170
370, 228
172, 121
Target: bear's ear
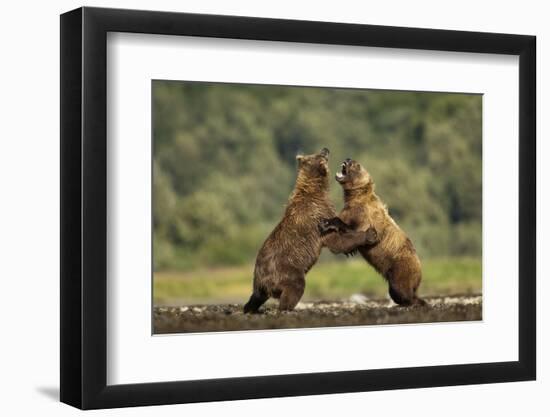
323, 167
299, 158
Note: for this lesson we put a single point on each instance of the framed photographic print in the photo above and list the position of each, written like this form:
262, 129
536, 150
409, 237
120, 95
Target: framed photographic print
257, 207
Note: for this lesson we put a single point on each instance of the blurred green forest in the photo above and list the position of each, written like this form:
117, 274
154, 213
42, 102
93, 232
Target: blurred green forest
224, 164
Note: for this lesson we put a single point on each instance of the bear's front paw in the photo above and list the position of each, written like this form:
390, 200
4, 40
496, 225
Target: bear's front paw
327, 226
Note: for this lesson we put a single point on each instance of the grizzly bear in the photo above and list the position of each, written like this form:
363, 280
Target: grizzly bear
394, 256
295, 244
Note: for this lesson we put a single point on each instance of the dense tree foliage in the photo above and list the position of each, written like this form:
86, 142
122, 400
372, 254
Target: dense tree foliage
224, 163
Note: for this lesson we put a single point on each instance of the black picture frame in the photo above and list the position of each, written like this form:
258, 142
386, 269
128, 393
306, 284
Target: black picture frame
84, 207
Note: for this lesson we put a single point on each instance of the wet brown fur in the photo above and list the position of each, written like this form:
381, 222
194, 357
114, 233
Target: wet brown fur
394, 256
295, 244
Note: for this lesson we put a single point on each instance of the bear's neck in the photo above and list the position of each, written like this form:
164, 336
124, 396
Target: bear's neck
360, 193
311, 187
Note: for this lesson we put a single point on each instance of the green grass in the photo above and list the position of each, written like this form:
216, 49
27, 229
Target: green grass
327, 280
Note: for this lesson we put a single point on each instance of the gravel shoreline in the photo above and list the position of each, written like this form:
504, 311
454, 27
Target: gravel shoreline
357, 311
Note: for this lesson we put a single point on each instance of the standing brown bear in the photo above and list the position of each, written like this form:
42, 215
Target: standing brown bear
295, 244
394, 256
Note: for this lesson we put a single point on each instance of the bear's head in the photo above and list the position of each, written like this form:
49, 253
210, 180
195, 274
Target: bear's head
353, 176
313, 171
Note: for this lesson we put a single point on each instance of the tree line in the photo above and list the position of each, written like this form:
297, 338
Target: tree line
224, 163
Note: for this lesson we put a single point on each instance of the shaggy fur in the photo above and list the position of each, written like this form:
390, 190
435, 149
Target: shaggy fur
295, 244
394, 256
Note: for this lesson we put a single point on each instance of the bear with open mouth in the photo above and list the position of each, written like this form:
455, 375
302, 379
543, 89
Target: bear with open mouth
394, 255
295, 244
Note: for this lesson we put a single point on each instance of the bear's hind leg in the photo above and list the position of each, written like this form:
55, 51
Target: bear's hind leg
256, 301
292, 291
405, 297
403, 283
401, 296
